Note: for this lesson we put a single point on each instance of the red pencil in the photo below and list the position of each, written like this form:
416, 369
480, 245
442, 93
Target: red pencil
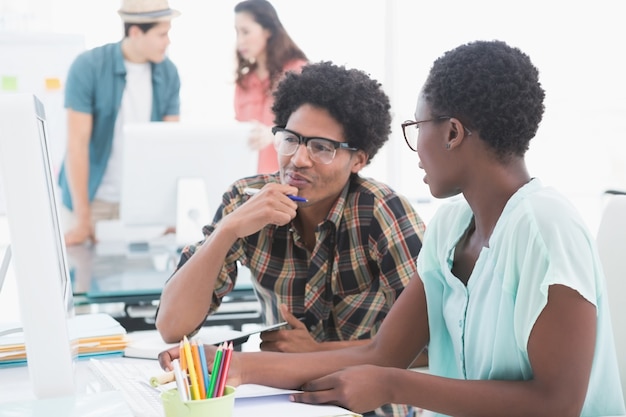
224, 371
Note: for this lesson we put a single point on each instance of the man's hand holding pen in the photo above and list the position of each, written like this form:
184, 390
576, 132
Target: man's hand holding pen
292, 197
270, 205
296, 338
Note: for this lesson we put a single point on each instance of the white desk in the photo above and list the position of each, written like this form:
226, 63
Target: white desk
15, 387
15, 382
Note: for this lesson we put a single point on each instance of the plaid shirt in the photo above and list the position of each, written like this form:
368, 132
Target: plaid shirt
363, 258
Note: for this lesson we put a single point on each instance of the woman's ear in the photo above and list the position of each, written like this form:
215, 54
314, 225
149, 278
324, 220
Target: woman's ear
457, 134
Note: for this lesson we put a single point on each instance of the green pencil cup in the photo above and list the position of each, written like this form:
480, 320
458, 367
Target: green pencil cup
218, 407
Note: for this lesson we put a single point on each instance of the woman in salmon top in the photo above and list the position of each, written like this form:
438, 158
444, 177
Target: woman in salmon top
264, 53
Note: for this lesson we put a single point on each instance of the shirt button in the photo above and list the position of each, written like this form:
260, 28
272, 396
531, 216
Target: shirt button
460, 323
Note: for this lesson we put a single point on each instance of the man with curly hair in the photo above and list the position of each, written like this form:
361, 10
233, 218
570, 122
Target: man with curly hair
331, 265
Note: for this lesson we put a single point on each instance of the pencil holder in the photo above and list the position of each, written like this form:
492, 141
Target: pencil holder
218, 406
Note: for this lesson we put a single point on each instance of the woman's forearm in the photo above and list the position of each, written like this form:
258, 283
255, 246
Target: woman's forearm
291, 371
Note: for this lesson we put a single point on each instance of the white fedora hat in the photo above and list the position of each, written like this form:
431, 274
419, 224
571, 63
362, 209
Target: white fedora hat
146, 11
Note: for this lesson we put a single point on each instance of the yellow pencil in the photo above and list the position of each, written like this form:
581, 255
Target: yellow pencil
195, 392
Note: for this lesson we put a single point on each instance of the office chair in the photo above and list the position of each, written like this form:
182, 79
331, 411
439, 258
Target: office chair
611, 240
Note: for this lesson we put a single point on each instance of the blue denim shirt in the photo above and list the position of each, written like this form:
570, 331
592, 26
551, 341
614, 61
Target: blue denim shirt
94, 85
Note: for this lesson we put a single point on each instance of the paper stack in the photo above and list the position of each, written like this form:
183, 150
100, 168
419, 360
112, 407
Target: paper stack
93, 335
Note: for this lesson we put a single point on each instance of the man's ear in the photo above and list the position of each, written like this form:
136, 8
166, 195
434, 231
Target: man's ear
133, 31
359, 161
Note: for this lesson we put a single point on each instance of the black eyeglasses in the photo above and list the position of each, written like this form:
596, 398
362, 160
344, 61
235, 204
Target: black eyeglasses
320, 150
410, 129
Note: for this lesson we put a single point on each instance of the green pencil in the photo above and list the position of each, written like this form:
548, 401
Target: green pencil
215, 371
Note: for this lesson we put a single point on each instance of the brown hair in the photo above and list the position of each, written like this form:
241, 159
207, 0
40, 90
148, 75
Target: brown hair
281, 49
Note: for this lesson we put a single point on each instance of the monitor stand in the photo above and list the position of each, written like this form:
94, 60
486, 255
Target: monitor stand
192, 210
192, 213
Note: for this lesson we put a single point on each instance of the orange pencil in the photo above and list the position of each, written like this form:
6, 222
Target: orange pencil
181, 358
224, 373
198, 366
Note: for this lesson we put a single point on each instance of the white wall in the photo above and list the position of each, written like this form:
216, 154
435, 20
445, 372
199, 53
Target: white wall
577, 46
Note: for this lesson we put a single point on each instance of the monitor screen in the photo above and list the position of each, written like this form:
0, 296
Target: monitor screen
168, 166
37, 245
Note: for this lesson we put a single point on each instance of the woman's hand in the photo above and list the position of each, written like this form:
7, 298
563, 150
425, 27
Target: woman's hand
358, 388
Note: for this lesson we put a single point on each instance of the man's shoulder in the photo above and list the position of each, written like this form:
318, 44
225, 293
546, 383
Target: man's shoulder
96, 56
380, 197
167, 67
376, 189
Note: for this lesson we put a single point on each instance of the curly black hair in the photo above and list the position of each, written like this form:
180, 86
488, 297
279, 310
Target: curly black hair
350, 96
492, 88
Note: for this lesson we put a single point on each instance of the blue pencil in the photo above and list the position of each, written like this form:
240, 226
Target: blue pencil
205, 370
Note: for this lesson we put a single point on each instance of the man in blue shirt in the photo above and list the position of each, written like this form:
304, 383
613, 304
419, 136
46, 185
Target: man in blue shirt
131, 81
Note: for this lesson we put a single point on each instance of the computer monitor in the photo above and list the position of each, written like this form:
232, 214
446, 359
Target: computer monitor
175, 173
39, 257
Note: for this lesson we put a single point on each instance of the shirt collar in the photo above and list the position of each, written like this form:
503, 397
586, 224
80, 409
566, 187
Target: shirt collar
336, 212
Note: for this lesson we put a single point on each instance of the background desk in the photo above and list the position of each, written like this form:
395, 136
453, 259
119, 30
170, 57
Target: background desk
125, 281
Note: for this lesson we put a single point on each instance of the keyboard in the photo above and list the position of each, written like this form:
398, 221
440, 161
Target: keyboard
132, 379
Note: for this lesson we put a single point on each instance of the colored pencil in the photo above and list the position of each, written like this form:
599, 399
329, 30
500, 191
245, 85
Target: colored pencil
205, 369
198, 367
215, 371
193, 378
224, 371
180, 381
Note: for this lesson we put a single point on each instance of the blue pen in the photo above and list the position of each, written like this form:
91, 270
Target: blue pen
203, 365
253, 191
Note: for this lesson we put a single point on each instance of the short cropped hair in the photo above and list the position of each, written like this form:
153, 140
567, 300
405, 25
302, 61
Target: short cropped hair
491, 88
356, 101
144, 27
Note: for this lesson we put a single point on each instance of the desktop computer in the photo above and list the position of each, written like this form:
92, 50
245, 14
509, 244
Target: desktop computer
175, 173
40, 261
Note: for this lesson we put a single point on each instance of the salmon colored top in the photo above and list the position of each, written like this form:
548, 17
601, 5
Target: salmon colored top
255, 103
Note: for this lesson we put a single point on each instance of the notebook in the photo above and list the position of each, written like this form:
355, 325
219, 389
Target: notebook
261, 401
97, 335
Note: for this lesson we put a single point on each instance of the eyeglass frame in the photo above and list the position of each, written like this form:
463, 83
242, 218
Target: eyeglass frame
305, 140
408, 123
